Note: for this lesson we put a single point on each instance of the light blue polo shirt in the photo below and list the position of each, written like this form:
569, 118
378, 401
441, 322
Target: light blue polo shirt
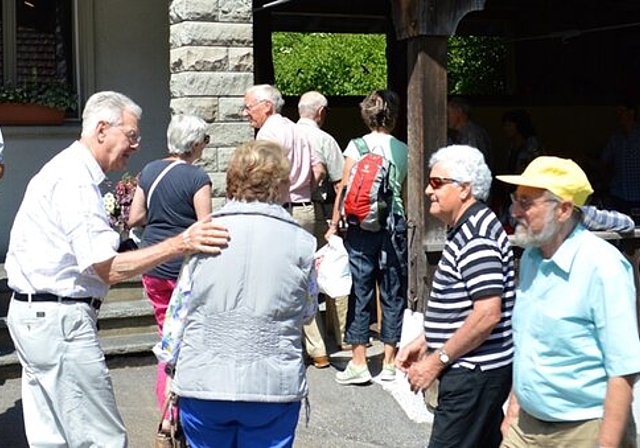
574, 326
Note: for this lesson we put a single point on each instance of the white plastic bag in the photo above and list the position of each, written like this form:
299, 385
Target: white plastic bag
332, 266
412, 326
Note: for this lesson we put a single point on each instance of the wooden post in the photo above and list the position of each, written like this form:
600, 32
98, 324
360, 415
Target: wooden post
427, 125
425, 24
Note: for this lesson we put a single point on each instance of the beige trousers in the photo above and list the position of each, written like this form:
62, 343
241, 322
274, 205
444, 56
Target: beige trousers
313, 336
528, 431
337, 316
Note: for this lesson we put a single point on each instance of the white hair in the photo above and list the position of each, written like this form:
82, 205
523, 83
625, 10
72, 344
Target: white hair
465, 164
310, 103
107, 106
266, 92
183, 132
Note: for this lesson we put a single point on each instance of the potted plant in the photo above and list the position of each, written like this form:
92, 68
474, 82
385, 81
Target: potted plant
36, 103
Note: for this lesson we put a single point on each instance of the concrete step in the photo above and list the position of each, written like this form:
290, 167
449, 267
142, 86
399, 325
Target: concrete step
114, 346
128, 290
126, 328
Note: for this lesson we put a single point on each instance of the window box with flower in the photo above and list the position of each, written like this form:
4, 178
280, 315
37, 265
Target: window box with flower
36, 102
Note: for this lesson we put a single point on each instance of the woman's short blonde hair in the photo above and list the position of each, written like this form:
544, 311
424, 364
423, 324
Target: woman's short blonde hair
257, 171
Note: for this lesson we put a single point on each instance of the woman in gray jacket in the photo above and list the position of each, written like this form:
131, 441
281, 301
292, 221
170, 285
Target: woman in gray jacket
240, 373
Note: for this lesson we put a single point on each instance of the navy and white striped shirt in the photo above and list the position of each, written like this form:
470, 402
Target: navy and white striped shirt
477, 262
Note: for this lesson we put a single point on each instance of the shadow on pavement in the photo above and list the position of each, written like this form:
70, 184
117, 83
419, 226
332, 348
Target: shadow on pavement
12, 427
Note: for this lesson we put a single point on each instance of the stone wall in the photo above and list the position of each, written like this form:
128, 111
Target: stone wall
211, 61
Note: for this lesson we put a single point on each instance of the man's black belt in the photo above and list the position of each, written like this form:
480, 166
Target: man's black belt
47, 297
297, 204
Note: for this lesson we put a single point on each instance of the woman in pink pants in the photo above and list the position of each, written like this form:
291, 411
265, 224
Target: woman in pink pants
172, 194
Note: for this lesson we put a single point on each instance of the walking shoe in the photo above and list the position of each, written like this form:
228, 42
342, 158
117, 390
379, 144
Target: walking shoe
321, 362
354, 374
388, 372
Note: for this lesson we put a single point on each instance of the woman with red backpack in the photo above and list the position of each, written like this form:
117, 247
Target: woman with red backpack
377, 253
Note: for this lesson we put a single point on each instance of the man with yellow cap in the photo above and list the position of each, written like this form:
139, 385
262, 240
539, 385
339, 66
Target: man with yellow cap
577, 350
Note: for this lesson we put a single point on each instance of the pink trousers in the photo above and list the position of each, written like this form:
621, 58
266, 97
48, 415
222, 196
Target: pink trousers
158, 292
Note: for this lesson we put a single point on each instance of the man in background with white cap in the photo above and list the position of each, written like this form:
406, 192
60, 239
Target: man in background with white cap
577, 350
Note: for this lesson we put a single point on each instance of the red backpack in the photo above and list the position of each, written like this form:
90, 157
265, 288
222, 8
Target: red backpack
367, 199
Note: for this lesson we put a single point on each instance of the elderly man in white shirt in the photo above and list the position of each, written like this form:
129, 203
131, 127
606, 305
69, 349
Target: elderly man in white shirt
61, 261
312, 109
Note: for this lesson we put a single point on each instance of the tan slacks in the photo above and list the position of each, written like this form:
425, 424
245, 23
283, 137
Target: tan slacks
528, 431
313, 336
337, 315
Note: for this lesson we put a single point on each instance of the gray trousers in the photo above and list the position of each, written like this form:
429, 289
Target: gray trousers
67, 395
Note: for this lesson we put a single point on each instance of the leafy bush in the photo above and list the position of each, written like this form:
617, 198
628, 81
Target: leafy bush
334, 64
355, 64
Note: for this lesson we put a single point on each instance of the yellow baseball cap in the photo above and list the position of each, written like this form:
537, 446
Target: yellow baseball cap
562, 177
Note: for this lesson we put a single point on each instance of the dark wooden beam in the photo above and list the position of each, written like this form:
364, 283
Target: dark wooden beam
426, 131
263, 72
413, 18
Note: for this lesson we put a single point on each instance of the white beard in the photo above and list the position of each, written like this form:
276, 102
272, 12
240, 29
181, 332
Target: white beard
524, 237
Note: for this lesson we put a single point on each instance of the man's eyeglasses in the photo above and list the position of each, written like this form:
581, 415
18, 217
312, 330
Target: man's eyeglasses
133, 136
248, 107
526, 203
439, 182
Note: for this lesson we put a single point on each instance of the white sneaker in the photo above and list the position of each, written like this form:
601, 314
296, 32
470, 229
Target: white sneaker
354, 374
388, 372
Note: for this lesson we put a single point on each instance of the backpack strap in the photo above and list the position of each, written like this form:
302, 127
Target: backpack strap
361, 145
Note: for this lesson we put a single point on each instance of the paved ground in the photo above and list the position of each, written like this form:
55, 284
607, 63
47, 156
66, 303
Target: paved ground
341, 416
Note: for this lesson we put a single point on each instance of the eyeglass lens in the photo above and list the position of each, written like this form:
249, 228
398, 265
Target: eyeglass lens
133, 137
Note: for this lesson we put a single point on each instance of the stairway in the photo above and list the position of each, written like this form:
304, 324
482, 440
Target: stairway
126, 322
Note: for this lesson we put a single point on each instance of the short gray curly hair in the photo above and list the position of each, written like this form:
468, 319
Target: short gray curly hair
465, 164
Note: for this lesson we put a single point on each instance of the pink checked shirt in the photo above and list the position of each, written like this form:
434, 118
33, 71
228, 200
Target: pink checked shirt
282, 130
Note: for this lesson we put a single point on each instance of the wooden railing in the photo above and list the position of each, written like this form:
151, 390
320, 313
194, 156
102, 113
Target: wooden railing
627, 242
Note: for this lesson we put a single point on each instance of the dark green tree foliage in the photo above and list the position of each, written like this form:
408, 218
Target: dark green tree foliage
355, 64
334, 64
476, 65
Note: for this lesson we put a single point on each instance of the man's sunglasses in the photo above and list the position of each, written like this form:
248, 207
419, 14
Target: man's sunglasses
438, 182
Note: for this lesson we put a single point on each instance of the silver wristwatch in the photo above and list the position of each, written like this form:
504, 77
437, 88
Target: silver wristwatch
444, 357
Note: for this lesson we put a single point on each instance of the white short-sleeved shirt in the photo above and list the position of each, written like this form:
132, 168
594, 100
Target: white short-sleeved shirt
325, 146
62, 229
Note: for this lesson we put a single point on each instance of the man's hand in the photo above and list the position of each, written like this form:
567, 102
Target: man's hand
205, 236
423, 373
411, 353
511, 415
